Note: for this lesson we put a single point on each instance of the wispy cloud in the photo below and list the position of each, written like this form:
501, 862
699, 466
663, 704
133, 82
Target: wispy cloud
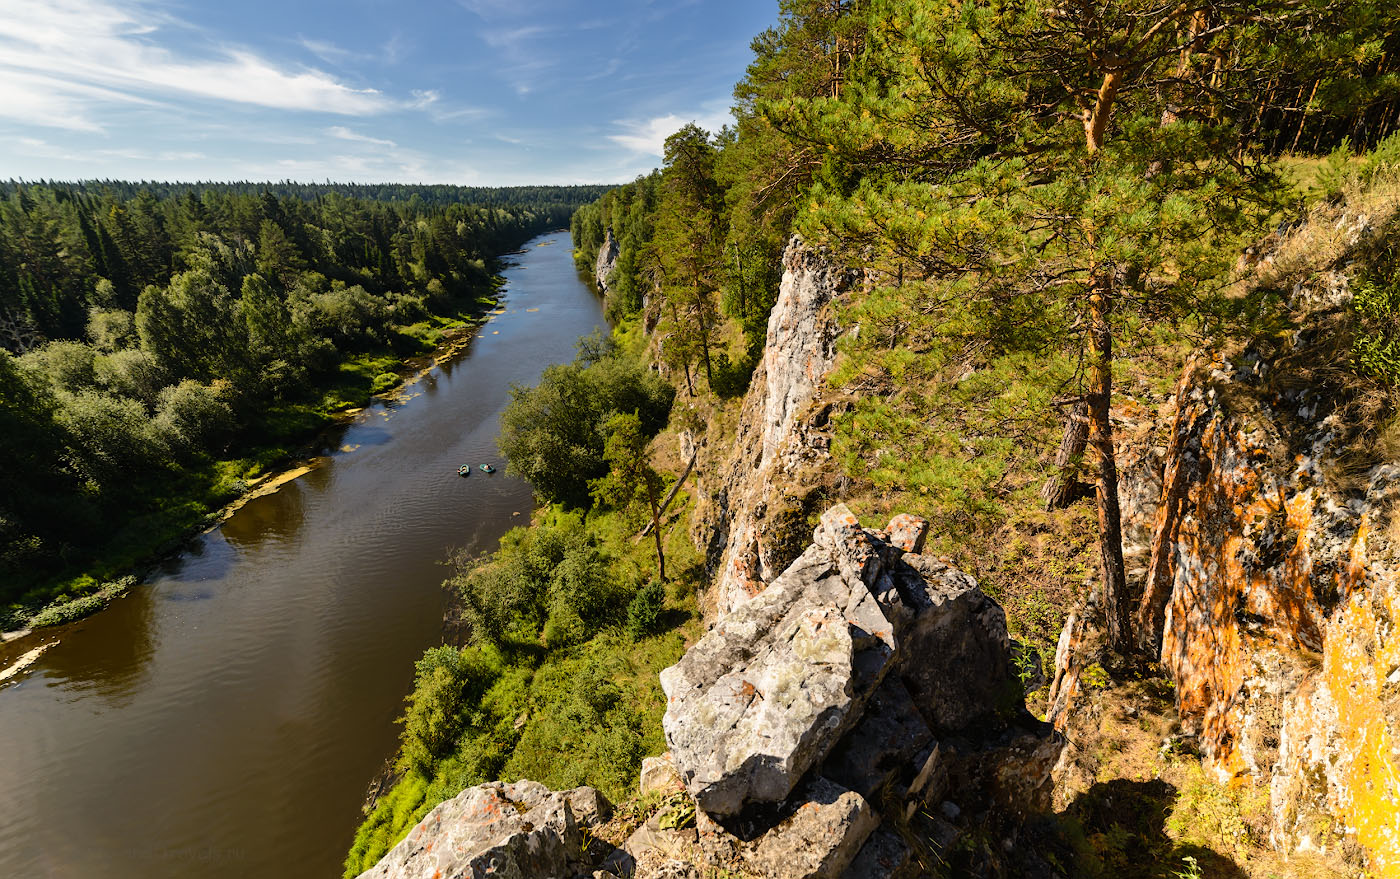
648, 136
75, 54
329, 52
343, 133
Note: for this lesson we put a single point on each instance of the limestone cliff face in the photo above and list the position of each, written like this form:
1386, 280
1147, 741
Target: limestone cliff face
755, 523
606, 262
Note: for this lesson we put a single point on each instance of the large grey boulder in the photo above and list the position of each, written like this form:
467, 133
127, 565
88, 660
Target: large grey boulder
510, 831
866, 673
774, 685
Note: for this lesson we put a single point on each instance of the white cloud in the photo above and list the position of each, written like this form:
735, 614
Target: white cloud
648, 136
343, 133
329, 52
62, 59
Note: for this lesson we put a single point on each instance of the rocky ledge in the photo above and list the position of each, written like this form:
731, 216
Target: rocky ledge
869, 682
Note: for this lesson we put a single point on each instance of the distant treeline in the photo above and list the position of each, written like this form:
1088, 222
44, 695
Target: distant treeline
534, 197
161, 343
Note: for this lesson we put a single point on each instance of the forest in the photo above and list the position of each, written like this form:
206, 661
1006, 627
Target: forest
161, 345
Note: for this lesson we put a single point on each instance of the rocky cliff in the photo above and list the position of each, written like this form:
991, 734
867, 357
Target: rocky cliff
868, 688
1269, 549
607, 260
761, 493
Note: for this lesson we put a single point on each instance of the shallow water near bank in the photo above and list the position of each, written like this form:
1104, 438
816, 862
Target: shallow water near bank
225, 718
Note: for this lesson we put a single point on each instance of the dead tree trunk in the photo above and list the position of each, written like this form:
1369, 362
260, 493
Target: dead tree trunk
1058, 490
1117, 607
670, 495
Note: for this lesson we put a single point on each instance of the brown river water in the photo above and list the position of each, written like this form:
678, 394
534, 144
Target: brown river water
225, 718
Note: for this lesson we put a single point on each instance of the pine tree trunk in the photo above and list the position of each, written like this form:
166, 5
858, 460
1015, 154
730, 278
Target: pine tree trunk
1117, 608
1058, 490
656, 529
1096, 122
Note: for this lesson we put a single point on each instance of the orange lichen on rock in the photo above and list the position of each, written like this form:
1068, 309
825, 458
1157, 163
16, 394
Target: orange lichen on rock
1277, 625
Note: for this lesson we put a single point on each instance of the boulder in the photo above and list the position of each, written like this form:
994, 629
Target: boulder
820, 837
773, 686
884, 856
865, 673
883, 746
500, 830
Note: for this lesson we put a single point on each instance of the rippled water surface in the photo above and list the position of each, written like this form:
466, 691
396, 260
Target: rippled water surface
225, 718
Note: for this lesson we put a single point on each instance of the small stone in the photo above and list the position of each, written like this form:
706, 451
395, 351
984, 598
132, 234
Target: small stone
908, 532
884, 856
659, 774
950, 810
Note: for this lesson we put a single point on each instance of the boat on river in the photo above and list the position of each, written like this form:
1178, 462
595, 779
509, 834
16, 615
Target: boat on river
464, 470
487, 468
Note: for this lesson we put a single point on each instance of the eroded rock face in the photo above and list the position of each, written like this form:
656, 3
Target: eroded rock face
1271, 592
514, 831
754, 524
865, 674
607, 260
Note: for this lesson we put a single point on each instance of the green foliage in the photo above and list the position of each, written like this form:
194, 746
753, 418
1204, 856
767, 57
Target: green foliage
1376, 350
553, 434
447, 681
187, 323
644, 611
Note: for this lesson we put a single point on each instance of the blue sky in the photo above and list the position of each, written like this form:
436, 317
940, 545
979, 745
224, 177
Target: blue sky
475, 92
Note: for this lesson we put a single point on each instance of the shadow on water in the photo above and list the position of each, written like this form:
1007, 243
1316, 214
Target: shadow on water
265, 518
1119, 830
115, 672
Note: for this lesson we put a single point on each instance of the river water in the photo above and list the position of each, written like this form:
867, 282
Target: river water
224, 719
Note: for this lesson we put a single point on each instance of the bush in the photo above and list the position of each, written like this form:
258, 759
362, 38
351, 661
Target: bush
552, 433
383, 382
645, 609
445, 683
1376, 351
731, 379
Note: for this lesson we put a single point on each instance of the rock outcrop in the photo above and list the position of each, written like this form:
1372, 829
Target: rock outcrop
1270, 593
1276, 601
867, 676
520, 830
759, 501
607, 260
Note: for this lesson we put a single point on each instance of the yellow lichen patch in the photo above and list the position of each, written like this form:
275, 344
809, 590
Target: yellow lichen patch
1361, 652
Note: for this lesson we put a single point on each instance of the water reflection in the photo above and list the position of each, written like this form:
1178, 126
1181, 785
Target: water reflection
277, 517
107, 657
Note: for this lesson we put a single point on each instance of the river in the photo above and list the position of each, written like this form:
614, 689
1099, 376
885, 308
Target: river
225, 718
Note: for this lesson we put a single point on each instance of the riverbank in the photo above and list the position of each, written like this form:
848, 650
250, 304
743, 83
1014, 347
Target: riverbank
228, 485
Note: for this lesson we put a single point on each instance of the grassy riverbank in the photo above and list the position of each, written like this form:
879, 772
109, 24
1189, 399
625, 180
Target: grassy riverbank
172, 509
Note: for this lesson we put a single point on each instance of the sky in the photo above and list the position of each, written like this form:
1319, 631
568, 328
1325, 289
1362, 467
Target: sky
471, 92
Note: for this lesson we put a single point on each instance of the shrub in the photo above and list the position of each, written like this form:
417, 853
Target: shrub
383, 382
1376, 350
644, 611
445, 683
